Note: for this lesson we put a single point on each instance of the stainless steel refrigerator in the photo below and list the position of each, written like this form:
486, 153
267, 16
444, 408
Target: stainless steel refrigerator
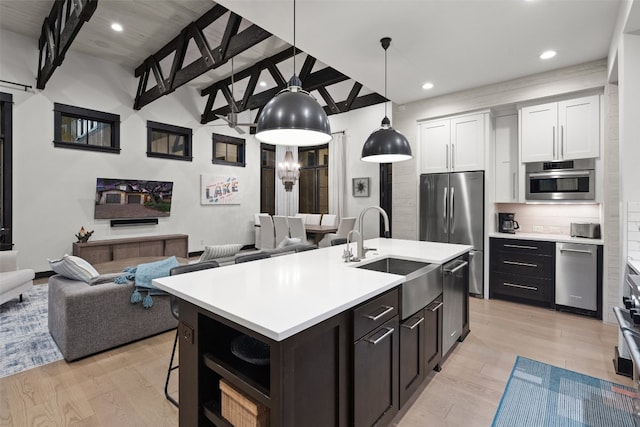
452, 211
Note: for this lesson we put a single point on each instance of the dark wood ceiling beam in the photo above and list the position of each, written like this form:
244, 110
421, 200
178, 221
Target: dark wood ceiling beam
353, 94
231, 30
232, 44
328, 99
59, 30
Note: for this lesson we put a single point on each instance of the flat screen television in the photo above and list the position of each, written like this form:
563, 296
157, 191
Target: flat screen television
132, 198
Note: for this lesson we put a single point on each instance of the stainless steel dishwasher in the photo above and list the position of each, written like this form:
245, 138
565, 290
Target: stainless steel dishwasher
577, 276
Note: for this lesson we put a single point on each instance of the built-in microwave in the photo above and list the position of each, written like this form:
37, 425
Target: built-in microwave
564, 180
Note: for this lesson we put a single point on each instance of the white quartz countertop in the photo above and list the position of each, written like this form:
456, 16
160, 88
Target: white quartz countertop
562, 238
281, 296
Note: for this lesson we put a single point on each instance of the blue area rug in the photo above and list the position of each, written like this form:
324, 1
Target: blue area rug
538, 394
25, 341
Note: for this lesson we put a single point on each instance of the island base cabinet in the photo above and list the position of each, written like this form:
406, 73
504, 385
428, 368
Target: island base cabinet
376, 376
433, 335
306, 382
412, 353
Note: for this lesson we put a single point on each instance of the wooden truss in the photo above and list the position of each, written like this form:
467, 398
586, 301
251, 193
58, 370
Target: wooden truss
318, 80
232, 43
58, 32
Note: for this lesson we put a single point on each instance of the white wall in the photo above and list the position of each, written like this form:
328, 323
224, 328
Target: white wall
358, 125
54, 188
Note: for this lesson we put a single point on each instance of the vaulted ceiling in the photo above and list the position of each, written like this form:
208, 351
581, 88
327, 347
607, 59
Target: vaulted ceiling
456, 44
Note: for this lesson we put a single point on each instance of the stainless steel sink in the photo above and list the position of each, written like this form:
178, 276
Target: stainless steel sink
423, 281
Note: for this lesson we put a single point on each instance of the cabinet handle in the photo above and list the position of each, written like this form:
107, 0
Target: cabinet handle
386, 334
453, 152
513, 285
463, 265
415, 324
444, 209
522, 264
446, 156
507, 245
513, 186
561, 142
554, 141
436, 307
387, 308
577, 251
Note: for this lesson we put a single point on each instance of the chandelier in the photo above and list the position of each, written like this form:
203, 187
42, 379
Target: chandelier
288, 171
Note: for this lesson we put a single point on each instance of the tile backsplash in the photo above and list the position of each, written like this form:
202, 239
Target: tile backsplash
633, 230
551, 218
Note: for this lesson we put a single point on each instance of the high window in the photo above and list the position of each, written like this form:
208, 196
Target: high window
268, 179
314, 179
84, 129
228, 150
168, 141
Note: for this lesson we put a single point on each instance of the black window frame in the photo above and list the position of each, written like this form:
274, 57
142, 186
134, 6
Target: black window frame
316, 167
241, 143
85, 114
186, 133
268, 195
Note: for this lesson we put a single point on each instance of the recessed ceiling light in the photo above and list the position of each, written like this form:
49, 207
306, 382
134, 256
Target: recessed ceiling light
427, 86
548, 54
116, 27
263, 84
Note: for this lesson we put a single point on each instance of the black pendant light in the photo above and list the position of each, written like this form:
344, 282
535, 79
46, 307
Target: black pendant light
293, 117
386, 145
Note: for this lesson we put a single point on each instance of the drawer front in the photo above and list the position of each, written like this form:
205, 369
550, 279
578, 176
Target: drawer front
521, 287
374, 313
525, 265
529, 247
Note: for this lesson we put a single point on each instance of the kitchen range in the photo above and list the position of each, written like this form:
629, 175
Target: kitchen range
347, 346
628, 317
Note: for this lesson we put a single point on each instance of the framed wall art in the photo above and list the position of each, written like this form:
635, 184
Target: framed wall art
219, 190
360, 187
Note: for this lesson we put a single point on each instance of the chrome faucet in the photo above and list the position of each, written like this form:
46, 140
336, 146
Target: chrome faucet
347, 255
362, 251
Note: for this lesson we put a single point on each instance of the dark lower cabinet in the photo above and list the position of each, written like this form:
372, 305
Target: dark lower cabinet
306, 383
433, 335
412, 354
375, 379
522, 271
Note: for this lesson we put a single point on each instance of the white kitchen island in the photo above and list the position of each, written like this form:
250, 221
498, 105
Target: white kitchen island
301, 305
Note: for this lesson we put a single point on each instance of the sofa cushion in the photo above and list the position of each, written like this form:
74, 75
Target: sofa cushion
74, 267
219, 251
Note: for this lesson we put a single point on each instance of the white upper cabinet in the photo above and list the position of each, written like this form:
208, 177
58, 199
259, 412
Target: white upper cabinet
562, 130
453, 145
579, 121
506, 159
434, 146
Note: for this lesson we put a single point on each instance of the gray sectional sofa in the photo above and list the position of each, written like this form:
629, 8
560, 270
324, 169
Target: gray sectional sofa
85, 319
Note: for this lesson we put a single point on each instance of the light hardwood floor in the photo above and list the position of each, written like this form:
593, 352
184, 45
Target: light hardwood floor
124, 386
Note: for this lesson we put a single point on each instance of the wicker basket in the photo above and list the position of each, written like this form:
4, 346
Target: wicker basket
241, 411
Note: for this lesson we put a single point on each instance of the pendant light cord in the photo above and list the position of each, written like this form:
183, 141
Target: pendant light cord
294, 37
385, 81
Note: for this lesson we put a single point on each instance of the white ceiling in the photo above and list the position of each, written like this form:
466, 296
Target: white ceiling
456, 44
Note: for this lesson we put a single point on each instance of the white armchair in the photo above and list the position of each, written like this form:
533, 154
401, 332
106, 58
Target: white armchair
13, 282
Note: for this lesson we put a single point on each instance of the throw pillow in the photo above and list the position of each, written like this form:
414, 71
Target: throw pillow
288, 241
145, 273
219, 251
74, 267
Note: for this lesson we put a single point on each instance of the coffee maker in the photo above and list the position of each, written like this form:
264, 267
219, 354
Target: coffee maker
507, 223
